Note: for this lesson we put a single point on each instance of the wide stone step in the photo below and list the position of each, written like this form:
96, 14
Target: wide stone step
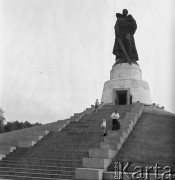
62, 150
39, 175
74, 137
43, 171
69, 148
68, 141
83, 128
59, 151
46, 167
12, 177
45, 152
97, 120
48, 155
43, 158
34, 160
62, 163
76, 134
83, 134
91, 129
53, 154
90, 122
77, 141
74, 143
56, 146
58, 165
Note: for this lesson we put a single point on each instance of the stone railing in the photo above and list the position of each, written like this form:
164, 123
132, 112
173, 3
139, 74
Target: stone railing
152, 109
26, 141
101, 105
78, 116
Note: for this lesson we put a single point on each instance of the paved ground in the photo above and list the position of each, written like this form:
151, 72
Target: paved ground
152, 141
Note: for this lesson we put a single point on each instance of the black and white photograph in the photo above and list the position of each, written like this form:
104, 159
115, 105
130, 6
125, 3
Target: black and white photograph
87, 89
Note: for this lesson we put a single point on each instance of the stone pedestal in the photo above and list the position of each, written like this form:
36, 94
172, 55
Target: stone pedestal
126, 85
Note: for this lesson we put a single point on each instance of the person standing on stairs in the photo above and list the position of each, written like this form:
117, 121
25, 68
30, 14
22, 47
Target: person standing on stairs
96, 105
130, 98
115, 123
103, 126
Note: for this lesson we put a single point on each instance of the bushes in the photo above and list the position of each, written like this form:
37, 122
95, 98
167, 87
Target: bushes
15, 125
2, 120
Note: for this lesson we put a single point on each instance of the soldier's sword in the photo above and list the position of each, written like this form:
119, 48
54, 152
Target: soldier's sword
124, 50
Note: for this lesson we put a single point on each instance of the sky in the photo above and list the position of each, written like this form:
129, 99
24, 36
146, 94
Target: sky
56, 55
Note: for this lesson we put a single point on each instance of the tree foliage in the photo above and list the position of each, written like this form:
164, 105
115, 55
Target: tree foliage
2, 120
14, 125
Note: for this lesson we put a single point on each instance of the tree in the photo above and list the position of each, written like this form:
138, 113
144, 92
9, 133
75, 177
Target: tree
2, 120
14, 125
18, 125
27, 124
9, 127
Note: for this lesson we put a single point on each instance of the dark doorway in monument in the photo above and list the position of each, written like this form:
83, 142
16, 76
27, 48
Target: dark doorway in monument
121, 96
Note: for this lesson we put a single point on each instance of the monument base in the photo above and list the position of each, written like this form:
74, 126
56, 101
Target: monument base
126, 86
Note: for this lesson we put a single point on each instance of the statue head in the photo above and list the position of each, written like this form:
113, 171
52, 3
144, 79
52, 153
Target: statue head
125, 12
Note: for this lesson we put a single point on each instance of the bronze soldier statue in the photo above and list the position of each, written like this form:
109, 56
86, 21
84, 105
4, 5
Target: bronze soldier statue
124, 46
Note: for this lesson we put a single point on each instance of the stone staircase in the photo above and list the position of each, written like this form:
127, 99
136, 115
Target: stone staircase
27, 137
95, 165
59, 153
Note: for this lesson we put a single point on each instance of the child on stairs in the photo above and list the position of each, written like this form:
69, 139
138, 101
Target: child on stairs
103, 126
